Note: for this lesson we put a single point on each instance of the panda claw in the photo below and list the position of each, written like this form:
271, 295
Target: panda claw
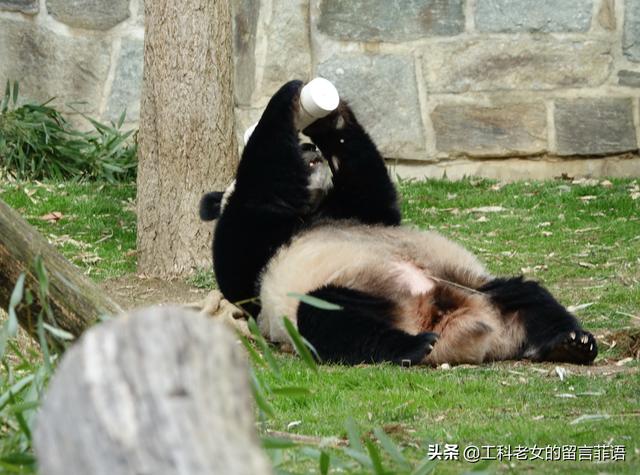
574, 347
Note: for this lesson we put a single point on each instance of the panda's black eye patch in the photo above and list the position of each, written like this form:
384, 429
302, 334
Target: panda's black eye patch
309, 147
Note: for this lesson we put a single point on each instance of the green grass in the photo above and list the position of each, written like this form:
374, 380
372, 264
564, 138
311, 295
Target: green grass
583, 242
498, 404
97, 230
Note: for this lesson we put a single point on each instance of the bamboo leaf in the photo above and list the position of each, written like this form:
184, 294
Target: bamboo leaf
353, 434
264, 346
300, 345
253, 354
425, 467
325, 462
14, 301
374, 455
15, 389
315, 301
58, 332
391, 448
259, 396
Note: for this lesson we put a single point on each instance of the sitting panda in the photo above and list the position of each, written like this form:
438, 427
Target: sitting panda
297, 223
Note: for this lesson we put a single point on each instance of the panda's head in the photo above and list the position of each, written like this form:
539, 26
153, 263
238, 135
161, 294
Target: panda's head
213, 203
319, 174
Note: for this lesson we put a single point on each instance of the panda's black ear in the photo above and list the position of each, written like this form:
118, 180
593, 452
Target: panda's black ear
210, 205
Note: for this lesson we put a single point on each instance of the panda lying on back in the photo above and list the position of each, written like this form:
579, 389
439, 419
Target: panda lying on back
405, 295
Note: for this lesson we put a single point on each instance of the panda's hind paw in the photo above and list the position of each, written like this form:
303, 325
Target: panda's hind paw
417, 349
576, 346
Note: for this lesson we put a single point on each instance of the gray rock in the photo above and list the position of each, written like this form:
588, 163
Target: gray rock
501, 130
127, 82
89, 14
23, 6
271, 53
533, 15
629, 78
510, 169
139, 19
382, 20
607, 15
631, 35
245, 21
496, 64
383, 94
594, 126
288, 46
48, 65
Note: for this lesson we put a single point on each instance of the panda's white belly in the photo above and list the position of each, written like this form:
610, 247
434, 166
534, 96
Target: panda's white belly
301, 268
387, 261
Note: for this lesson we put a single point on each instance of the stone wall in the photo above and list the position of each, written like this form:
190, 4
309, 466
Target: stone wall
86, 53
503, 88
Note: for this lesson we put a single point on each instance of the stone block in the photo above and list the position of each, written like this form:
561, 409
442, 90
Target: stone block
594, 126
270, 52
288, 48
500, 64
127, 82
22, 6
607, 15
383, 94
48, 65
500, 130
629, 78
381, 20
631, 34
245, 22
511, 169
89, 14
507, 16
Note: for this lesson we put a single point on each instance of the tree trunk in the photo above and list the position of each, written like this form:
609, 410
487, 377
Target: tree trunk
74, 299
186, 138
162, 391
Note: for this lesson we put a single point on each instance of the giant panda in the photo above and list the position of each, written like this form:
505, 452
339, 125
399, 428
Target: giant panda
405, 296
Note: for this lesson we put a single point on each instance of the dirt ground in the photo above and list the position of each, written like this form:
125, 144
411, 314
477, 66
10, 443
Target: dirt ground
132, 291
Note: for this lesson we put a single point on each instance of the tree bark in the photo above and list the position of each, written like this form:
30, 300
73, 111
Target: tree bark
156, 392
74, 299
186, 141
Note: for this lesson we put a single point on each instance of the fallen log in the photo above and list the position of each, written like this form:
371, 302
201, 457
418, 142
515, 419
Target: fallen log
75, 300
160, 391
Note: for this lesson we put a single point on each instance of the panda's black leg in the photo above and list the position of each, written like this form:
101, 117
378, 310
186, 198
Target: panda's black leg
551, 332
269, 202
361, 332
271, 172
362, 188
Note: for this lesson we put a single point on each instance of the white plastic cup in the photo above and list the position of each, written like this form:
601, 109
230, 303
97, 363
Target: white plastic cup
318, 98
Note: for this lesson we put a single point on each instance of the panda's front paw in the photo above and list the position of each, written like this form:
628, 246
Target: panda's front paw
417, 349
339, 119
